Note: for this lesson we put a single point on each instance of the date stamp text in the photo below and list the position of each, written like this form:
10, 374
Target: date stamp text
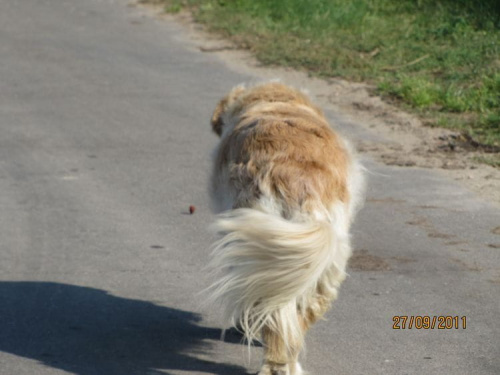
429, 322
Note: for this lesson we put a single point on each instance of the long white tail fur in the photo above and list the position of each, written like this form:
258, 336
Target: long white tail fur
270, 269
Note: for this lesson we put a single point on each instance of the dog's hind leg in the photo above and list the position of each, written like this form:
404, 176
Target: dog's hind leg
279, 358
282, 359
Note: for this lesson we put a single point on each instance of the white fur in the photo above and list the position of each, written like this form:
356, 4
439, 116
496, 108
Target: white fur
269, 266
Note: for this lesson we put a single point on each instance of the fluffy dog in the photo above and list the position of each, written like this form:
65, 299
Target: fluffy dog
289, 186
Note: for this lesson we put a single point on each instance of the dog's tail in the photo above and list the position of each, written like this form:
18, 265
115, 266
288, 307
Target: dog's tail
271, 269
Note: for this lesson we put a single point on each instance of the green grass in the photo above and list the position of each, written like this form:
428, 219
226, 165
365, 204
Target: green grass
440, 58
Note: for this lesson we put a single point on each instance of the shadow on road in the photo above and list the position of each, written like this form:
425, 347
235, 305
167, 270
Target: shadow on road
87, 331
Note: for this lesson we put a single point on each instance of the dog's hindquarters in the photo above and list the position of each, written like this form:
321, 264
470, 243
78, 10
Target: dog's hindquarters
277, 277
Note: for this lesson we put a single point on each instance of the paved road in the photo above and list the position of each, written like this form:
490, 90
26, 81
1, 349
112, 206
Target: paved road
104, 144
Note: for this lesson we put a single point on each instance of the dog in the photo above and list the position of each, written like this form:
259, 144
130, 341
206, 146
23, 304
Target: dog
288, 187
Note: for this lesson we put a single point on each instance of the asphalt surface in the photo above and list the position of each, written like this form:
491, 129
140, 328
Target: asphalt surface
104, 145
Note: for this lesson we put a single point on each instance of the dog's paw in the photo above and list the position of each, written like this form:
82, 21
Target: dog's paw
274, 369
297, 370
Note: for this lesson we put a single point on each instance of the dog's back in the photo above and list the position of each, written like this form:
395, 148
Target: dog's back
292, 186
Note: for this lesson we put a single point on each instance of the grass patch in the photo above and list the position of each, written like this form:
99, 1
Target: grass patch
440, 58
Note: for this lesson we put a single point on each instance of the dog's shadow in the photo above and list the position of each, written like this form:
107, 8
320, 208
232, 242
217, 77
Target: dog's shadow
87, 331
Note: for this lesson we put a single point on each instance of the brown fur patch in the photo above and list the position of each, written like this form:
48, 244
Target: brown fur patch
281, 145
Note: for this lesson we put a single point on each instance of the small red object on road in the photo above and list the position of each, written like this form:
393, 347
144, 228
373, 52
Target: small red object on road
192, 209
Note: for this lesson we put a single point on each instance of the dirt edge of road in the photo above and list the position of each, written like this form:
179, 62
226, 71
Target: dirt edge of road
392, 136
